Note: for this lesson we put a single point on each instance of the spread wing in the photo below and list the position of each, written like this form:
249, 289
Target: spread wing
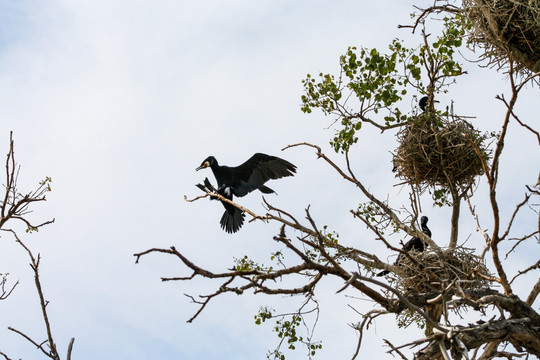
259, 169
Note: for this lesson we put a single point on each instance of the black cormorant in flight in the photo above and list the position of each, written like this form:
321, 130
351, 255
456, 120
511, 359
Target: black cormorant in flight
243, 179
415, 243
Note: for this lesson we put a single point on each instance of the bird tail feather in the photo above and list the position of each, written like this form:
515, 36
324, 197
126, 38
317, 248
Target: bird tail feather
266, 190
232, 220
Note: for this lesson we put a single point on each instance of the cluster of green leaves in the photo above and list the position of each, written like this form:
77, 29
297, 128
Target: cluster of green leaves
44, 187
323, 94
380, 80
46, 183
454, 32
332, 236
277, 257
375, 76
441, 197
286, 327
369, 75
407, 317
246, 264
287, 330
377, 217
265, 313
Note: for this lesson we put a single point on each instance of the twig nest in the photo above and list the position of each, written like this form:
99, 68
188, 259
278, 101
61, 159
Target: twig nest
440, 152
506, 27
436, 271
444, 273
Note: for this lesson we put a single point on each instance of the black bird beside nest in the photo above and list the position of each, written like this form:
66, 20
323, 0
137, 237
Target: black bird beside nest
423, 103
414, 244
243, 179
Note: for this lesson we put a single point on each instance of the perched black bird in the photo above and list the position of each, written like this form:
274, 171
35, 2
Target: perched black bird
415, 243
424, 102
233, 218
243, 179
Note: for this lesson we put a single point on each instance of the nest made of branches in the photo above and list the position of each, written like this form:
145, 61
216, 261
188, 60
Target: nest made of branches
440, 152
506, 27
435, 271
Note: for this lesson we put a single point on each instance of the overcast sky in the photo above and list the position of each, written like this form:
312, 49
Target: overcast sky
120, 101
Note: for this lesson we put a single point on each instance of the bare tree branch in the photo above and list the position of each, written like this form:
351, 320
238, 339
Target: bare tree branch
435, 9
533, 294
16, 206
351, 178
394, 349
34, 264
5, 356
5, 293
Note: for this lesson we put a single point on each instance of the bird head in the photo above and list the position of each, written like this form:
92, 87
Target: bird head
424, 220
208, 162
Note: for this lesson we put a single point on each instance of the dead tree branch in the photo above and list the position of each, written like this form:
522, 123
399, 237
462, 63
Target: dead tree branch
16, 206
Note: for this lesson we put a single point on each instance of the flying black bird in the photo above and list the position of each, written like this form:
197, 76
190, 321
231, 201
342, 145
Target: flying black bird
415, 243
243, 179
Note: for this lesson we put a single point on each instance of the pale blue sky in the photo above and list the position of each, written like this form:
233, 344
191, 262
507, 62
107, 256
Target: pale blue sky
119, 102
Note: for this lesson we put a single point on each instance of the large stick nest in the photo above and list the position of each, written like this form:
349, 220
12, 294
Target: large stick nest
506, 27
431, 271
443, 152
447, 272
